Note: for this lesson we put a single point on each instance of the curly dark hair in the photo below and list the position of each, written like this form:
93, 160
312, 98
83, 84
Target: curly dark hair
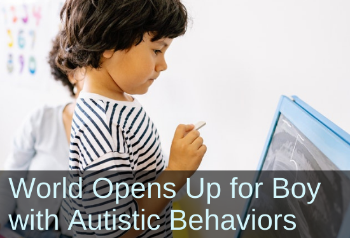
92, 26
56, 72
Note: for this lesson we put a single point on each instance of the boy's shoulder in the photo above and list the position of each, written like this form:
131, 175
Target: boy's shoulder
101, 111
106, 130
106, 124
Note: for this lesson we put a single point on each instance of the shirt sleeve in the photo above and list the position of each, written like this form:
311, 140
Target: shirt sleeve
111, 178
19, 159
106, 200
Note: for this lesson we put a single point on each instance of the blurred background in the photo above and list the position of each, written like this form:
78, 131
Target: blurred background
236, 60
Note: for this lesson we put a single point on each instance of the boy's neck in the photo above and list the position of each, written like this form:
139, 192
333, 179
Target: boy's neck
100, 82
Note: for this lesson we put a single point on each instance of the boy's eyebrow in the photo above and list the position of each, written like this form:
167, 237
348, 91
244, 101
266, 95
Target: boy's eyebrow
161, 42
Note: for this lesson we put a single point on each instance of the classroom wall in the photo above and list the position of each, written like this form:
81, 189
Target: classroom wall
229, 70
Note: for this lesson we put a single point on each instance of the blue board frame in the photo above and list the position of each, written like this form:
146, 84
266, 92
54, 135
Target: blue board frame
324, 134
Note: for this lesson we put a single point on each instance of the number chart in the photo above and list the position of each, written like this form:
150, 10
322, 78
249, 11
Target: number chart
26, 30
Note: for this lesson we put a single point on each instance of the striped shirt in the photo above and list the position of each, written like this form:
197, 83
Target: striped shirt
117, 141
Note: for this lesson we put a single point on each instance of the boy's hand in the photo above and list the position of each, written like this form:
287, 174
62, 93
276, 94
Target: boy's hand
187, 149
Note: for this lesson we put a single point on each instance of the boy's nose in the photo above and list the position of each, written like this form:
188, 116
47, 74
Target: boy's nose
161, 66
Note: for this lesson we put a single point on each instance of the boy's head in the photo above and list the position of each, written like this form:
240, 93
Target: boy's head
92, 28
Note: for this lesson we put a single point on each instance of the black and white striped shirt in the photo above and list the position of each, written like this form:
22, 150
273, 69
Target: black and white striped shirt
118, 141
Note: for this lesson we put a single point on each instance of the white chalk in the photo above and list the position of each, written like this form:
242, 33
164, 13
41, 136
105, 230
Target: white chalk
199, 125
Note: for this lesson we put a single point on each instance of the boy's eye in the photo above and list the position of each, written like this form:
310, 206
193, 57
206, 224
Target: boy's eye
157, 51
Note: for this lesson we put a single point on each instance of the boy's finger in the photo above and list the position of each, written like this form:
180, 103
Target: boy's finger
189, 127
181, 130
203, 149
191, 136
198, 142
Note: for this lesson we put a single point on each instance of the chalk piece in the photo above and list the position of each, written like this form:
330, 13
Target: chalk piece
199, 125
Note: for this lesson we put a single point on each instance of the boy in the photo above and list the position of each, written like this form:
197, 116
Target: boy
121, 44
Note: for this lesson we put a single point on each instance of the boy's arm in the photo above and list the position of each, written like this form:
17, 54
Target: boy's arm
155, 205
186, 154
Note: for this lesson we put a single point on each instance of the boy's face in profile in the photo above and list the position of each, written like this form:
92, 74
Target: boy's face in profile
134, 70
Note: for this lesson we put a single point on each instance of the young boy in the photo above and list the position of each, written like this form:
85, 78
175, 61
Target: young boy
121, 45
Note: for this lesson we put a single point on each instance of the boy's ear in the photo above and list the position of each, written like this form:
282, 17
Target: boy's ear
108, 54
71, 78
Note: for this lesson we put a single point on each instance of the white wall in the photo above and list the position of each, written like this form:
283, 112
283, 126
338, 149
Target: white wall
229, 70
